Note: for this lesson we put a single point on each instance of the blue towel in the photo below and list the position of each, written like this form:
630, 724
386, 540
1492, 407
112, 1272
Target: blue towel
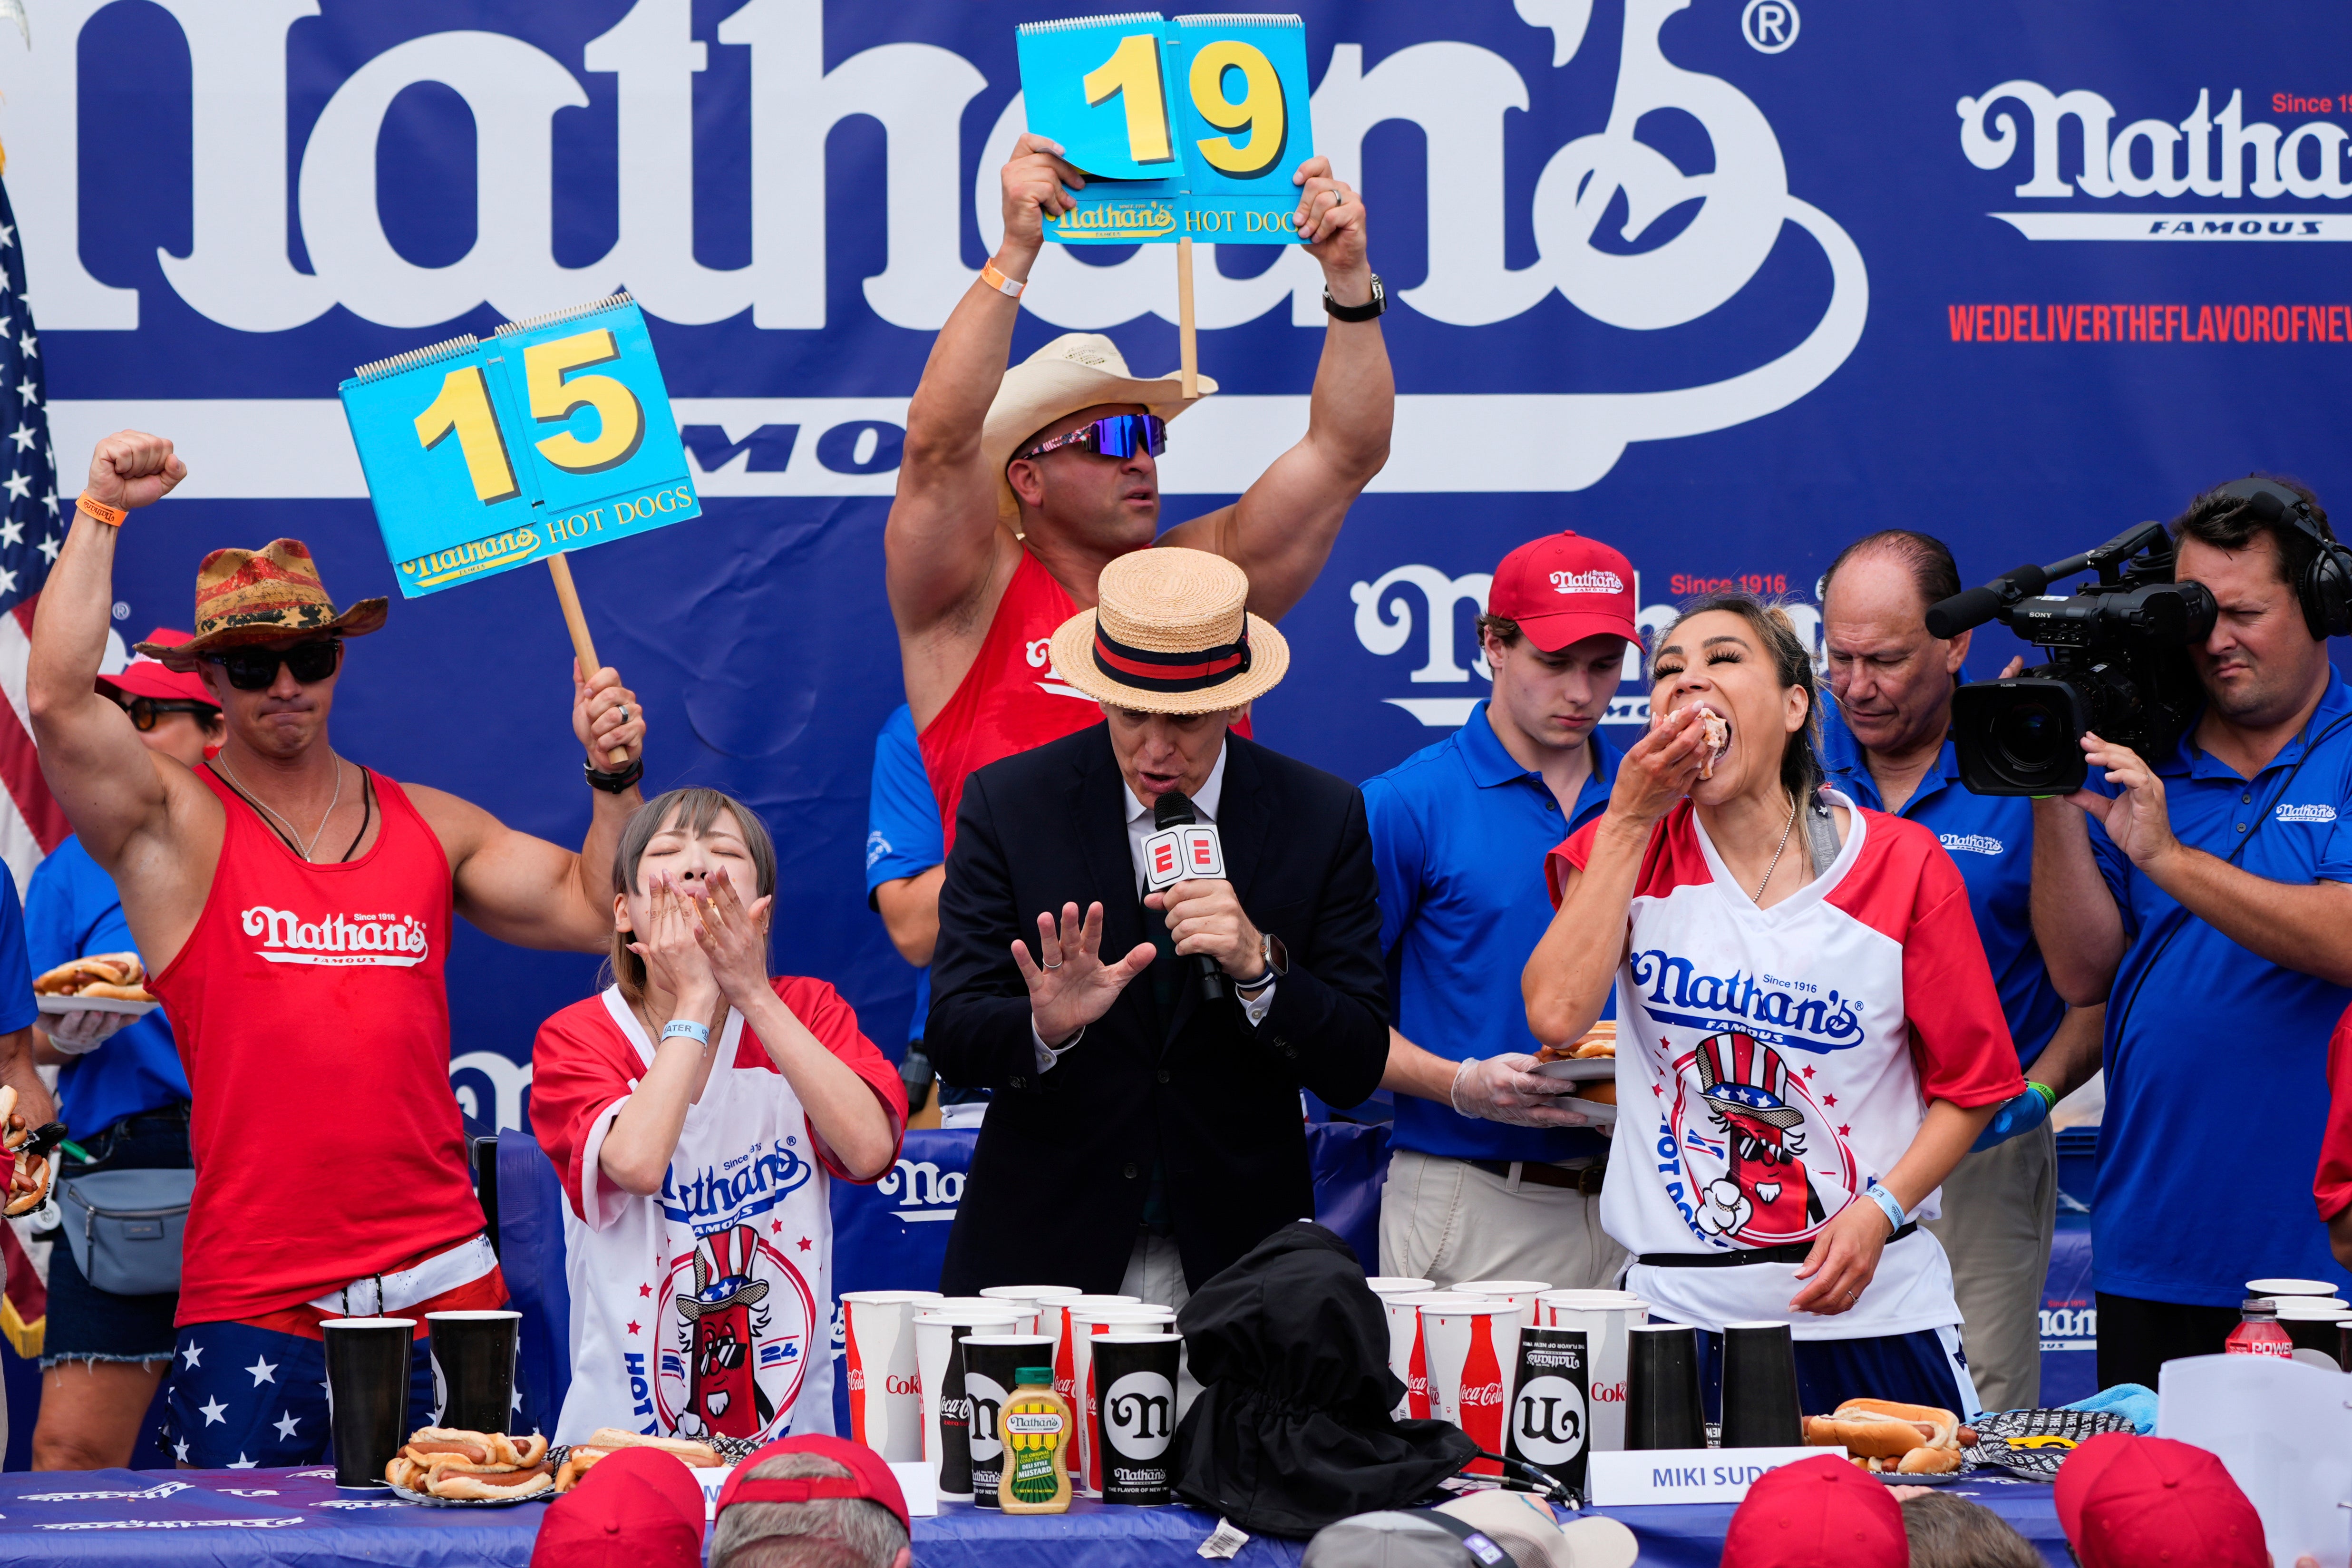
2135, 1402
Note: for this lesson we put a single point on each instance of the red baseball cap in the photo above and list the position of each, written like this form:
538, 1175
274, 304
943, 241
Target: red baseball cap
2127, 1501
1562, 588
639, 1508
144, 676
1817, 1511
869, 1477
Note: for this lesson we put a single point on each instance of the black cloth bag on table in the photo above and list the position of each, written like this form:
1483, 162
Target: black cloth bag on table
1292, 1430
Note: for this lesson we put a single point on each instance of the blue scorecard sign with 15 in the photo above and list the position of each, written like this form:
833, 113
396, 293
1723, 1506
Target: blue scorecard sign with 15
553, 436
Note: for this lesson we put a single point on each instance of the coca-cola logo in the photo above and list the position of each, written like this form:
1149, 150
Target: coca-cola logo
1418, 1385
902, 1385
857, 1380
1483, 1395
1607, 1393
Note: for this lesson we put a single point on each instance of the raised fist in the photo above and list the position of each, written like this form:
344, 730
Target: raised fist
132, 469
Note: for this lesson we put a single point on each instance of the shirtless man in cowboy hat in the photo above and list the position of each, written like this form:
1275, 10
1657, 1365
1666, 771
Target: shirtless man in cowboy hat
294, 911
1018, 485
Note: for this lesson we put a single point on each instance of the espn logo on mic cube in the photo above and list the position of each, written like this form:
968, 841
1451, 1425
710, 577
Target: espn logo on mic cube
1179, 853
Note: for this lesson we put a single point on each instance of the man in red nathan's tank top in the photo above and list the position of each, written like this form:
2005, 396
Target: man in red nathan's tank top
294, 908
1018, 485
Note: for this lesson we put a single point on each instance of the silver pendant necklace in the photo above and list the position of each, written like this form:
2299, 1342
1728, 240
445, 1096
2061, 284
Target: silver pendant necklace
333, 800
1758, 898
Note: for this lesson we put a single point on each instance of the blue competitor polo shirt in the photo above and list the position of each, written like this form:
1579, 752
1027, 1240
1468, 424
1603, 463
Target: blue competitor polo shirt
72, 909
1990, 840
2217, 1059
1459, 836
902, 828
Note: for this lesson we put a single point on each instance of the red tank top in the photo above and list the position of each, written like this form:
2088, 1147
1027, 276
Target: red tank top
311, 1017
1011, 699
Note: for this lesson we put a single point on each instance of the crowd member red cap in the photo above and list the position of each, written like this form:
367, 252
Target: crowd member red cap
2127, 1501
639, 1507
144, 676
1817, 1511
869, 1477
1562, 588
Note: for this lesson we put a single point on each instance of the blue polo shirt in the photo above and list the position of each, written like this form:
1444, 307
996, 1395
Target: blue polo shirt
1459, 836
902, 828
2217, 1059
1990, 840
72, 909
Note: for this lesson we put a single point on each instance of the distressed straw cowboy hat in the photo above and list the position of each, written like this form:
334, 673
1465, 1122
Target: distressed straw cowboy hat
1169, 635
259, 595
1077, 370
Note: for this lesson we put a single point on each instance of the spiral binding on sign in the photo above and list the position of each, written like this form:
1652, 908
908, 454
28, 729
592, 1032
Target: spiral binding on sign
610, 302
1238, 19
415, 357
1075, 23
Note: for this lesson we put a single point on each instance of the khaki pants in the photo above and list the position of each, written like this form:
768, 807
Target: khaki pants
1448, 1221
2000, 1210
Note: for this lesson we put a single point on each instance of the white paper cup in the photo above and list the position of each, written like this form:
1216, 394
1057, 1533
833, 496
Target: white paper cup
1084, 1323
1604, 1316
885, 1380
936, 1333
1398, 1285
1408, 1352
1066, 1352
2289, 1288
1519, 1293
1472, 1349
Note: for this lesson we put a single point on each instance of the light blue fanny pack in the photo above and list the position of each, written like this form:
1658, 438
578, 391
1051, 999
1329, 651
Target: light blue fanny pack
124, 1227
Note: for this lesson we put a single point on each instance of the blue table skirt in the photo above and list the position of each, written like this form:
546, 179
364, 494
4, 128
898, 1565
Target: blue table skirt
297, 1517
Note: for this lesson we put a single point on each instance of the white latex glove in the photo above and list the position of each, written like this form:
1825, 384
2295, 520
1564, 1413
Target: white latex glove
1506, 1089
78, 1034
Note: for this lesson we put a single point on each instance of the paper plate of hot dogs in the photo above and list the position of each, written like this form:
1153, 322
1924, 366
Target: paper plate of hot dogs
96, 982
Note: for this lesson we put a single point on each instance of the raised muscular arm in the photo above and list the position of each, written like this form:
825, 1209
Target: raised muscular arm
1282, 529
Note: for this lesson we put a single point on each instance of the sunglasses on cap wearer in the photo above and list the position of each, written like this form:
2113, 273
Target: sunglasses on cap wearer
146, 713
255, 668
1117, 435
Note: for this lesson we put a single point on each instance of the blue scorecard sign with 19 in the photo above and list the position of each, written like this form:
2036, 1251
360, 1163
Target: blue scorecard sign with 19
1186, 129
553, 436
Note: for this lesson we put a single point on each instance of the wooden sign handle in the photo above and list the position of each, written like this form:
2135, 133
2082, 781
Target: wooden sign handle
1188, 348
583, 647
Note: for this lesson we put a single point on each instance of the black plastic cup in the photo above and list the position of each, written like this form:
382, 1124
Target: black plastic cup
367, 1395
1550, 1414
2314, 1328
474, 1369
1760, 1387
1662, 1398
991, 1370
1136, 1409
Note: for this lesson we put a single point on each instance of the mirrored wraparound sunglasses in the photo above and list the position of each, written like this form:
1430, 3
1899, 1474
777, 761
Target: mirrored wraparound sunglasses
146, 713
1118, 436
256, 669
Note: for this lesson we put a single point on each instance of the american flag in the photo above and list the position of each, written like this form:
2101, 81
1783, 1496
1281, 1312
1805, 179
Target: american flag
32, 519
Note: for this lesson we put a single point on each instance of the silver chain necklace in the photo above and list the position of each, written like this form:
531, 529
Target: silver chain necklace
291, 834
1758, 898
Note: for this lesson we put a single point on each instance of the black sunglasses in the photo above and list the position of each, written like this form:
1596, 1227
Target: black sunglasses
146, 713
256, 669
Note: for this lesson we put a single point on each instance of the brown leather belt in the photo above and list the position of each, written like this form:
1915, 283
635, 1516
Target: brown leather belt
1585, 1179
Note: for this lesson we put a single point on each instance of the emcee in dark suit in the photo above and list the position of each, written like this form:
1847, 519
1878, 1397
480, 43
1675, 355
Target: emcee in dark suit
1143, 1136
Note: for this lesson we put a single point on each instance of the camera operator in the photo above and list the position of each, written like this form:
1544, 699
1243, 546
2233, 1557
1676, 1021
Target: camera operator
1887, 746
2204, 899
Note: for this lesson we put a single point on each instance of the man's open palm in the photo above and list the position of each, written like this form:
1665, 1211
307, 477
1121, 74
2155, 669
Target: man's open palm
1069, 985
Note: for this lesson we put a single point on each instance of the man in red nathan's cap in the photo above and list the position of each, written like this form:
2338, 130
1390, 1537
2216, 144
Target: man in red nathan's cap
294, 911
816, 1500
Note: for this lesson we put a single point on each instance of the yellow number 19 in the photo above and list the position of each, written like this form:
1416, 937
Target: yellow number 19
1132, 76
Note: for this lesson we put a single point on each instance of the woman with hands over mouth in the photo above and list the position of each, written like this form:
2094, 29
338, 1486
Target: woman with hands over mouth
1809, 1037
697, 1112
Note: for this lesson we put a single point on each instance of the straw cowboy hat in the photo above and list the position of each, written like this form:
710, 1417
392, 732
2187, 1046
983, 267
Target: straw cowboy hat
1077, 370
1169, 635
259, 595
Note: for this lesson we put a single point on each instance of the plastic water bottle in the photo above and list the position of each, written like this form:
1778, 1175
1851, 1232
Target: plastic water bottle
2258, 1331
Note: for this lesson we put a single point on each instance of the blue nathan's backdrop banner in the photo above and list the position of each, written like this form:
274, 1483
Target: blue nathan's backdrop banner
1724, 281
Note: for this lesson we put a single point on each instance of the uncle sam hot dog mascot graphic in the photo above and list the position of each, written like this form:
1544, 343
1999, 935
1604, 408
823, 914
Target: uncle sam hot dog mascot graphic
1765, 1196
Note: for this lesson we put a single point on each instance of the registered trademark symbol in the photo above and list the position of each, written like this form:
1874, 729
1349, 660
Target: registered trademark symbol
122, 611
1769, 25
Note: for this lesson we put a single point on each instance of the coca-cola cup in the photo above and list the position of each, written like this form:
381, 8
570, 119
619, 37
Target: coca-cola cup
1760, 1387
1519, 1293
1602, 1317
1024, 1310
1473, 1345
1549, 1423
1086, 1322
1385, 1285
473, 1358
1662, 1397
1409, 1349
1046, 1302
1137, 1375
2312, 1323
1065, 1351
885, 1380
367, 1393
992, 1366
947, 1409
2289, 1288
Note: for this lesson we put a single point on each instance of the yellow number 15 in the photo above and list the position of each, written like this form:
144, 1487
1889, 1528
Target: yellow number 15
1132, 73
463, 409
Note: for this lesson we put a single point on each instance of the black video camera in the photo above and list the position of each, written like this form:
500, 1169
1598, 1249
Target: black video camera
2118, 665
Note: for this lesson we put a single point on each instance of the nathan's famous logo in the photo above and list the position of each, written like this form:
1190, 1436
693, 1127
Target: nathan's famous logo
2305, 813
737, 1337
1595, 581
737, 1190
1751, 1157
286, 937
1785, 1012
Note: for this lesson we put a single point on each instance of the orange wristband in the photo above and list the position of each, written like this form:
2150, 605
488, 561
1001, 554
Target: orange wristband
110, 515
1008, 287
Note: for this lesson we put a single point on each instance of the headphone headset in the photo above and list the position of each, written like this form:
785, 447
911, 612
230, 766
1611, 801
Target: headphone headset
2323, 587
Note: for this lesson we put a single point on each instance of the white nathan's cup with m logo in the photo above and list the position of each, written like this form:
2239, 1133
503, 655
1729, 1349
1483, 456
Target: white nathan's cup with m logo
886, 1385
1604, 1316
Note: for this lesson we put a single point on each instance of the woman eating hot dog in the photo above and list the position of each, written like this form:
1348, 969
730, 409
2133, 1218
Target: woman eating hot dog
1809, 1038
697, 1111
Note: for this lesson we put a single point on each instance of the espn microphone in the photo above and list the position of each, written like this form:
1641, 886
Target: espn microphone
1182, 846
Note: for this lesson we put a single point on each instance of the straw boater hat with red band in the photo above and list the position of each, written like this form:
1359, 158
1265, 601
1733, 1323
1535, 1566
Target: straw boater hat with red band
1169, 635
1077, 370
260, 595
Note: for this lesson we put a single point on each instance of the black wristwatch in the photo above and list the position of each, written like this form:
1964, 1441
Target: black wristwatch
1276, 959
614, 783
1364, 313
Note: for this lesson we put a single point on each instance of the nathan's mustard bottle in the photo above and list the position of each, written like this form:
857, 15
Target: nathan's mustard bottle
1037, 1430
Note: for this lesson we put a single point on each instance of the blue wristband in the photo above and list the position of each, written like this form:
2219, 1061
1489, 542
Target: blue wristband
1890, 1204
698, 1033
